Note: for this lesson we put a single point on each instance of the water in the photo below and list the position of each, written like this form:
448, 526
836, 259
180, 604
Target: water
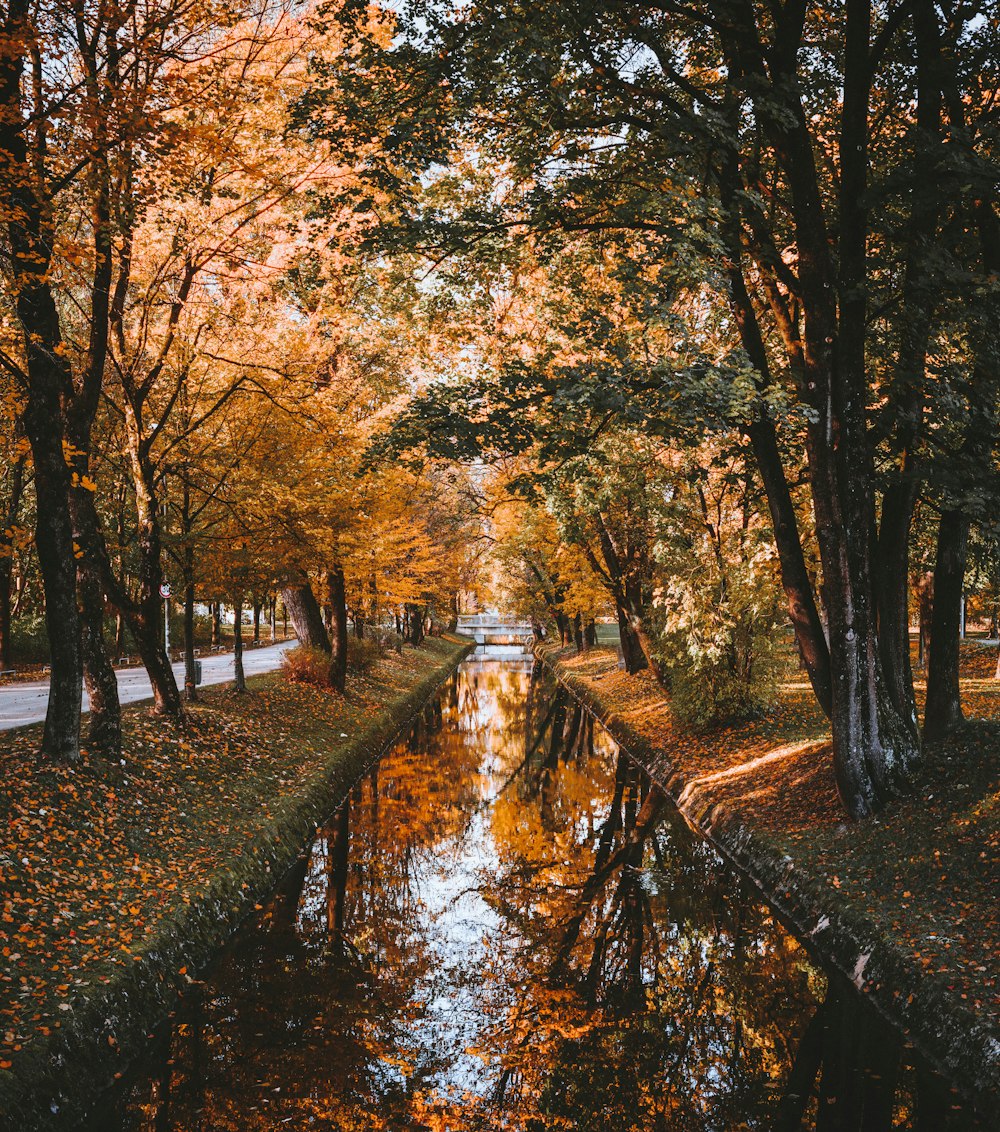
507, 927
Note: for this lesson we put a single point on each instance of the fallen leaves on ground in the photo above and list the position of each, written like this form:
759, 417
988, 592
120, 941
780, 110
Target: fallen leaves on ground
95, 854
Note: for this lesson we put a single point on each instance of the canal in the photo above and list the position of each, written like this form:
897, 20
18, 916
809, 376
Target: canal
506, 926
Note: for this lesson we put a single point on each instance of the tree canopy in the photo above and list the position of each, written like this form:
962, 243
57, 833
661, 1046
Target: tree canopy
673, 314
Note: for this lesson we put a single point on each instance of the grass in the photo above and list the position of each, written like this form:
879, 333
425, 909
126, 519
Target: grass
100, 860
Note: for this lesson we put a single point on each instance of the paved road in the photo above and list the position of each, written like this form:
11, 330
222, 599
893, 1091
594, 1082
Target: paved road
24, 703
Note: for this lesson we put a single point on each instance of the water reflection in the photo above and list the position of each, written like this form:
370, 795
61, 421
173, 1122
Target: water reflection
506, 927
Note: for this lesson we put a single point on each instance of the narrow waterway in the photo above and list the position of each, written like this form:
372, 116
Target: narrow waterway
506, 927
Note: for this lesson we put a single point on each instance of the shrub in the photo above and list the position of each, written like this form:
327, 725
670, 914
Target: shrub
390, 641
363, 655
721, 637
307, 666
29, 641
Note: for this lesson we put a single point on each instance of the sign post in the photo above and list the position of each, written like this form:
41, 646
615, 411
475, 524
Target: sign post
165, 594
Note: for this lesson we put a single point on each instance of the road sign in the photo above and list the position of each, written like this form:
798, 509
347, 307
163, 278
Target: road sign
164, 590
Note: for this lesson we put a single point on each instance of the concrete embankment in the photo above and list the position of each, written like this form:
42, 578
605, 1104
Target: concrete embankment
236, 825
881, 902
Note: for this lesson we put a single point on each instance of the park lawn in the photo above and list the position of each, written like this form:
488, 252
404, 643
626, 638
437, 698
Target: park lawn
96, 857
924, 871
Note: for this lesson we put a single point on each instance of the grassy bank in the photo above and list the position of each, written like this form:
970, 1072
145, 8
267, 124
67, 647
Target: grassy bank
121, 881
906, 905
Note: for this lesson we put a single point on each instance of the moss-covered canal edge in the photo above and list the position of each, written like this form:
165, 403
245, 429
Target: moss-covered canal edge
108, 1025
947, 1032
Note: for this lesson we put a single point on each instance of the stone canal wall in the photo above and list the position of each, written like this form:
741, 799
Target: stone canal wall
108, 1024
962, 1042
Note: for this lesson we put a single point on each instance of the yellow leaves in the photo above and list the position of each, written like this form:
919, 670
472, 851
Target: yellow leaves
83, 481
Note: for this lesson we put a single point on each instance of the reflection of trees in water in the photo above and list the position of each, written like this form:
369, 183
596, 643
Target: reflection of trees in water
852, 1072
630, 981
661, 995
627, 989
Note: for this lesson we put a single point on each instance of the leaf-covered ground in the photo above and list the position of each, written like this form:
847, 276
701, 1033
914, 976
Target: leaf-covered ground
93, 856
925, 870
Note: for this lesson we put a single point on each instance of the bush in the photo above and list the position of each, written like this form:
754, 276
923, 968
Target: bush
363, 655
307, 666
390, 641
312, 666
721, 639
29, 642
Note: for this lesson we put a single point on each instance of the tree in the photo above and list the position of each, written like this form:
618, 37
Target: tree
12, 534
775, 123
90, 96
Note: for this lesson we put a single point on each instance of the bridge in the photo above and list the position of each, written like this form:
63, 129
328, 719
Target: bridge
488, 629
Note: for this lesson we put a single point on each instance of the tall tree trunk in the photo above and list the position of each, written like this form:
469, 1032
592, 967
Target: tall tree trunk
216, 609
925, 590
190, 687
147, 629
273, 618
906, 395
187, 576
562, 624
7, 561
6, 577
257, 606
874, 746
104, 733
376, 616
796, 582
29, 241
146, 617
636, 618
57, 561
893, 598
337, 596
241, 681
93, 569
624, 578
869, 749
943, 710
307, 619
632, 654
415, 623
